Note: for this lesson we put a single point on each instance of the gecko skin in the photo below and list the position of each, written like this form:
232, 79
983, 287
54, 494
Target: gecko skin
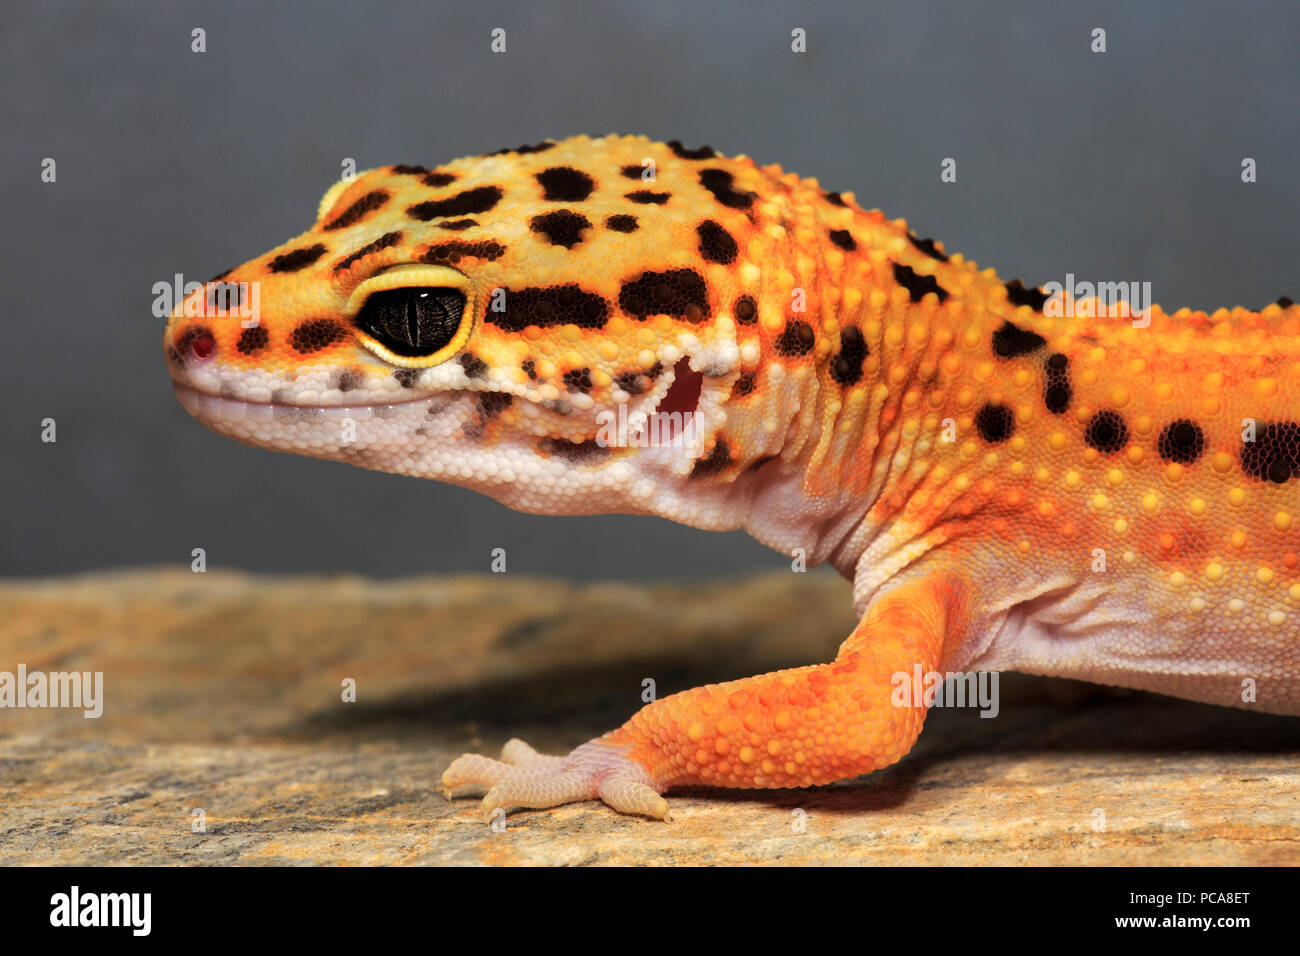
967, 459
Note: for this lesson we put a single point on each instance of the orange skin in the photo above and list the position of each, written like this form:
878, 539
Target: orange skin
1012, 480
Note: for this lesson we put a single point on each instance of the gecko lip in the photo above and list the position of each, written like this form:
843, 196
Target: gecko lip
209, 407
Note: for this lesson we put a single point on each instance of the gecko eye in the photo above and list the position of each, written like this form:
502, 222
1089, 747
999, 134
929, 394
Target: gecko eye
413, 322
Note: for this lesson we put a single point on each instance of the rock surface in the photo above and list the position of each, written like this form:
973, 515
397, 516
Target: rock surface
223, 693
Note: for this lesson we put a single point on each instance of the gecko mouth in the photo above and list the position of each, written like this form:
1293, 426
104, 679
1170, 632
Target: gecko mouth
208, 407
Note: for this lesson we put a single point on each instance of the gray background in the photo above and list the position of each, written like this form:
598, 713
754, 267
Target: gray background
1116, 166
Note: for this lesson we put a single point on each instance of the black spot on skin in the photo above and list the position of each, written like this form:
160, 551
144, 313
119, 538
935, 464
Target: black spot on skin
846, 367
468, 203
654, 371
928, 247
492, 404
565, 184
387, 240
577, 452
402, 169
634, 383
550, 306
647, 198
759, 463
716, 244
358, 210
632, 172
453, 252
561, 228
252, 340
530, 368
1106, 432
1057, 392
1181, 441
316, 334
524, 150
456, 225
224, 297
622, 223
918, 285
719, 182
348, 380
744, 385
439, 179
835, 199
297, 259
843, 239
1011, 341
746, 310
704, 152
1274, 454
1017, 294
1285, 303
677, 292
718, 458
995, 423
474, 366
578, 380
407, 377
796, 338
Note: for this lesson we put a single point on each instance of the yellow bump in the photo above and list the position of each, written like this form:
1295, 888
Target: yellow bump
1214, 572
1143, 424
1100, 501
1164, 391
1294, 592
1135, 454
1238, 539
1119, 396
1150, 502
1265, 387
1072, 479
1178, 579
1276, 617
774, 747
1282, 521
1057, 441
1264, 575
1130, 557
1115, 476
1121, 526
1196, 506
1173, 472
1222, 462
1236, 605
1237, 497
1211, 405
696, 732
1088, 376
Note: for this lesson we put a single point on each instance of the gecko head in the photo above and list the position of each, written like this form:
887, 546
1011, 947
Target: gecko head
528, 324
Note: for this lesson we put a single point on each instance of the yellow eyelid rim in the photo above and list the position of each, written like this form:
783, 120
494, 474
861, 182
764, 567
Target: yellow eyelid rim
414, 276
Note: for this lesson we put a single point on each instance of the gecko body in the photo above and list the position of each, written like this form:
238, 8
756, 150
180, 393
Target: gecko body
1011, 480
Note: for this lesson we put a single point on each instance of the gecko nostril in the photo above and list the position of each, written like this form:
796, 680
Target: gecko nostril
197, 341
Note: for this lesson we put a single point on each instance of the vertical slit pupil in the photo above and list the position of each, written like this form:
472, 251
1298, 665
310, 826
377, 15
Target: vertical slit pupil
412, 321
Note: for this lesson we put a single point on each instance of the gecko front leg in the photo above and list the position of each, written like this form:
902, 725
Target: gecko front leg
800, 727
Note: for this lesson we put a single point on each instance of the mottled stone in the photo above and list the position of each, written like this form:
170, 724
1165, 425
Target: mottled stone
223, 692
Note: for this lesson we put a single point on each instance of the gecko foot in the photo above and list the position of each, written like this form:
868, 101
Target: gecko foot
525, 778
